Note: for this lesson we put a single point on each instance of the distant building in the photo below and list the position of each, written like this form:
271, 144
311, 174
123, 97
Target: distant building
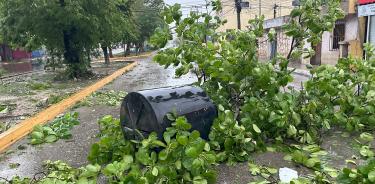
366, 11
349, 30
7, 54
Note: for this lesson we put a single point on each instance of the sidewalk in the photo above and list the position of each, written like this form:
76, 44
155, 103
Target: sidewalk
299, 69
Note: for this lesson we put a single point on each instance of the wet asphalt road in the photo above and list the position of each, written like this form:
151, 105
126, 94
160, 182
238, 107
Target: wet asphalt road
146, 75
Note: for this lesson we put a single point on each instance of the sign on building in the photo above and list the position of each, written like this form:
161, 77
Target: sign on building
366, 10
365, 1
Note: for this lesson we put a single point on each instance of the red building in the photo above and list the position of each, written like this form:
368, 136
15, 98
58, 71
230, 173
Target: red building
7, 54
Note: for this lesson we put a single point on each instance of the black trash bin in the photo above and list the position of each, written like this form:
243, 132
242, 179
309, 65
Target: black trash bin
144, 112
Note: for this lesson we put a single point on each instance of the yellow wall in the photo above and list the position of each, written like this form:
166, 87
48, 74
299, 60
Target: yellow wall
229, 11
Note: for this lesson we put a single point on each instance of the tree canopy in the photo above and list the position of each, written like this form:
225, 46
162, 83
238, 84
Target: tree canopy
71, 29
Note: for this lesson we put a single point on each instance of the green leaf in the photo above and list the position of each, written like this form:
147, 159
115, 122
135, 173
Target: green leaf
221, 108
256, 129
37, 135
158, 143
183, 140
192, 152
163, 155
199, 180
366, 152
292, 131
312, 162
51, 138
207, 147
371, 176
155, 171
178, 164
171, 117
366, 137
110, 169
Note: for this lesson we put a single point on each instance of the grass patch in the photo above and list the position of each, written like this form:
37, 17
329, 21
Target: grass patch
3, 109
4, 126
3, 72
39, 86
17, 89
54, 99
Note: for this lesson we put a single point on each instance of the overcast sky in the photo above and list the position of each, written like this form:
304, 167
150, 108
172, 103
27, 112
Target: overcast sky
189, 2
188, 5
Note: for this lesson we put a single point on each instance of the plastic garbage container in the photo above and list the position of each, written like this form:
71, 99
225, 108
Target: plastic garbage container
144, 112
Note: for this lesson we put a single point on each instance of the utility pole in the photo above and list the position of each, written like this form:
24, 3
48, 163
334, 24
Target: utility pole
260, 8
274, 42
238, 9
275, 6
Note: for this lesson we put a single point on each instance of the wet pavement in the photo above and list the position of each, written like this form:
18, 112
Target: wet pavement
146, 75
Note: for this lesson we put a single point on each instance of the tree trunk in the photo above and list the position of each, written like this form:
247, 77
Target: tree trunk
106, 55
136, 49
127, 49
89, 58
72, 54
110, 52
124, 49
141, 47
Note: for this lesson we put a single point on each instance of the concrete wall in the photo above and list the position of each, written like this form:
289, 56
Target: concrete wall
328, 56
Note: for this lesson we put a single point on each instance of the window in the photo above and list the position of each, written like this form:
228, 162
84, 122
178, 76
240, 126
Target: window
338, 35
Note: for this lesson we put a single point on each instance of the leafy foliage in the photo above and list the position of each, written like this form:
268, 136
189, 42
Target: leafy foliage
362, 174
72, 30
253, 108
39, 86
182, 157
60, 172
110, 98
112, 146
58, 129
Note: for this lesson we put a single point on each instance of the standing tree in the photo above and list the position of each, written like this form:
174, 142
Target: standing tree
115, 19
68, 28
147, 18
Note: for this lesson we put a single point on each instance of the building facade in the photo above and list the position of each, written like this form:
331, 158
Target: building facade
366, 11
268, 8
349, 30
7, 54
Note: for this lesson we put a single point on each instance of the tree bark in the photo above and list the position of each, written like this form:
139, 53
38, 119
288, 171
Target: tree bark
89, 58
127, 49
124, 46
106, 55
110, 52
136, 49
141, 47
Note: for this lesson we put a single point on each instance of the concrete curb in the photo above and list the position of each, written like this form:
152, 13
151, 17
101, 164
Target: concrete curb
116, 59
25, 127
